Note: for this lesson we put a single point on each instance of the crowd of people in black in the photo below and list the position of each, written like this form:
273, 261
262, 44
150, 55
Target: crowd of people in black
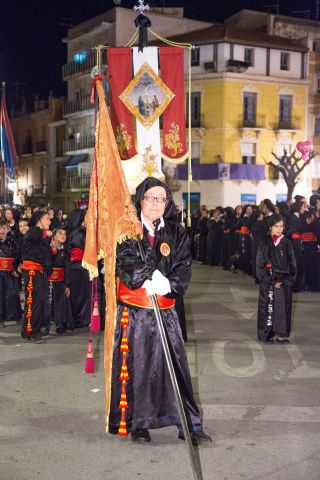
230, 237
41, 254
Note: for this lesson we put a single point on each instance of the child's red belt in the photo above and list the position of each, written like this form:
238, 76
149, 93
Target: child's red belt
139, 298
76, 254
57, 275
6, 264
309, 237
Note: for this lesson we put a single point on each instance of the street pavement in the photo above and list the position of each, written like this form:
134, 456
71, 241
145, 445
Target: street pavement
260, 403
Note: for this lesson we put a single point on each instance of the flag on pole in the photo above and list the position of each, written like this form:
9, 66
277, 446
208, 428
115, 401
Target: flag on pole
7, 146
110, 219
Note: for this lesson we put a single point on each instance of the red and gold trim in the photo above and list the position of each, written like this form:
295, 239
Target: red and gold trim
6, 264
57, 275
139, 298
124, 376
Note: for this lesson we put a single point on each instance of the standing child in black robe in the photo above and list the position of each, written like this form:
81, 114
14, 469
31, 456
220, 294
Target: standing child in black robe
57, 288
276, 270
77, 278
10, 308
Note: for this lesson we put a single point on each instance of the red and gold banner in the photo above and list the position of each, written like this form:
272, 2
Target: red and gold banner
174, 147
120, 75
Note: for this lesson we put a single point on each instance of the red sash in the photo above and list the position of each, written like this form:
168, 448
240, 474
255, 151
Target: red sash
76, 254
6, 264
139, 298
57, 275
296, 236
309, 237
244, 230
226, 231
30, 265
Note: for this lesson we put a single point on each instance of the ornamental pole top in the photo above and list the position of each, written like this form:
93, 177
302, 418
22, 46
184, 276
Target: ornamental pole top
141, 7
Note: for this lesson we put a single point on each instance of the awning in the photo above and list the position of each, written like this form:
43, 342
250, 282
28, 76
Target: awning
74, 160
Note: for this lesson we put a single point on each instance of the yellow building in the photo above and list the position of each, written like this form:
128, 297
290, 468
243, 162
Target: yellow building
249, 98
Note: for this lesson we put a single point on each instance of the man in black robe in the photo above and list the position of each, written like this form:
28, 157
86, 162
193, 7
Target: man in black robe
36, 266
140, 379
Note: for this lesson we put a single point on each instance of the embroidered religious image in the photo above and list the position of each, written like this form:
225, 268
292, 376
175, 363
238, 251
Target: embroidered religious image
146, 96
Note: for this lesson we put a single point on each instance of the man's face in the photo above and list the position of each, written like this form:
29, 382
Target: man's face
153, 205
44, 223
3, 233
23, 227
51, 213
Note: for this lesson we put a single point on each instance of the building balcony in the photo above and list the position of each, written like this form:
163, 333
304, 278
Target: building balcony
37, 190
41, 147
78, 68
77, 144
292, 125
256, 123
77, 105
76, 183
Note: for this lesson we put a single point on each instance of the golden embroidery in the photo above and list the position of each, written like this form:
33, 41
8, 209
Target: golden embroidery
149, 162
172, 139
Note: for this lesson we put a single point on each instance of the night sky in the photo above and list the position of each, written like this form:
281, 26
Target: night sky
31, 33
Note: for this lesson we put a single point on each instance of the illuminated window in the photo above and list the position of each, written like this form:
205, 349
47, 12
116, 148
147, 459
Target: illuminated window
79, 57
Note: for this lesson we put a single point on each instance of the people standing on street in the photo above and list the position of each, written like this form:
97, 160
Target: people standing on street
57, 288
276, 270
10, 308
77, 278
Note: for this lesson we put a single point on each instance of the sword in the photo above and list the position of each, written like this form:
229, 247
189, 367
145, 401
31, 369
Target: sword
197, 474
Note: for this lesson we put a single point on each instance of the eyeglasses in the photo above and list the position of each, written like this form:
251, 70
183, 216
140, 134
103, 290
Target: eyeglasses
152, 198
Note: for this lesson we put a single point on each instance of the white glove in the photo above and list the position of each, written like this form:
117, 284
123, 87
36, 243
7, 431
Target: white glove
149, 287
159, 284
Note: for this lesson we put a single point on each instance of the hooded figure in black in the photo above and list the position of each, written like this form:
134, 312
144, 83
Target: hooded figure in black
276, 270
166, 272
229, 238
78, 285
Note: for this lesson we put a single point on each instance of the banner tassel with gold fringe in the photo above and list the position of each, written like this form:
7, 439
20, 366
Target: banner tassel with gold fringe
124, 376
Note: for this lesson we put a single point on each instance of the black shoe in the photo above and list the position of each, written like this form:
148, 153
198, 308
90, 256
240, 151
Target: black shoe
34, 340
60, 331
44, 332
197, 438
141, 436
282, 341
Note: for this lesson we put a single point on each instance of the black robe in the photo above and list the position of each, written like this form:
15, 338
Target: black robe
244, 245
201, 240
294, 225
77, 279
37, 249
274, 310
151, 402
10, 307
57, 298
214, 241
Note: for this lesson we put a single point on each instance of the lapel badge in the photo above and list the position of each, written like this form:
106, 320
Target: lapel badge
164, 249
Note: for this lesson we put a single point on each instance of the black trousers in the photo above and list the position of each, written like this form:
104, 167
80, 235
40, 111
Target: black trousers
10, 307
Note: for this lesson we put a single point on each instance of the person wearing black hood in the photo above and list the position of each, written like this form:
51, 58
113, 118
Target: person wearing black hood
166, 272
294, 230
78, 285
36, 266
229, 237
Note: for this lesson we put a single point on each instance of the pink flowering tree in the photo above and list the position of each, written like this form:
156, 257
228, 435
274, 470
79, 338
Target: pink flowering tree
291, 166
